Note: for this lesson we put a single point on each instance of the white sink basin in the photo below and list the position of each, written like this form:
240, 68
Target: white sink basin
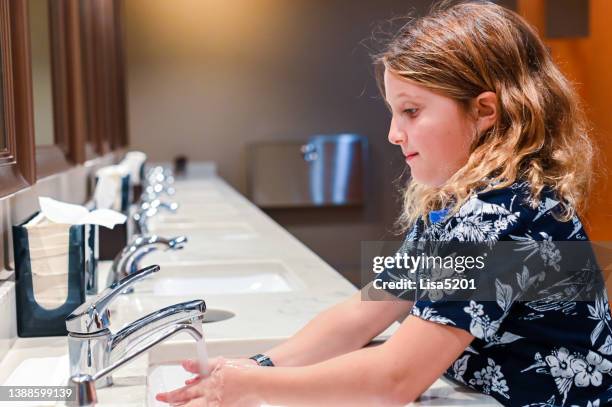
224, 277
165, 373
164, 378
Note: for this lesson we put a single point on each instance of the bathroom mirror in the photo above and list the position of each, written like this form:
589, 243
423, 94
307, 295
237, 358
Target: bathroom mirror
42, 76
55, 90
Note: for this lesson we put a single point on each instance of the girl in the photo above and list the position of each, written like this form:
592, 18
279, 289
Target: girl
498, 151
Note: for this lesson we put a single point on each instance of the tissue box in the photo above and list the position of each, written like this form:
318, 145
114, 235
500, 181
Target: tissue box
49, 275
92, 256
112, 241
136, 192
120, 193
126, 194
135, 161
137, 186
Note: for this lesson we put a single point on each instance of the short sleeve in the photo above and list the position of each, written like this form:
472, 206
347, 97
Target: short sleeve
398, 281
478, 295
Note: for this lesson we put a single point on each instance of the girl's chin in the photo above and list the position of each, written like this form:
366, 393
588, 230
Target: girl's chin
426, 181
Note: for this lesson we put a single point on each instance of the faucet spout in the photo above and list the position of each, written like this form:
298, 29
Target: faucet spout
149, 208
140, 330
127, 261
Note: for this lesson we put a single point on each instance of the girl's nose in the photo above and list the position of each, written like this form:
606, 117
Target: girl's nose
396, 136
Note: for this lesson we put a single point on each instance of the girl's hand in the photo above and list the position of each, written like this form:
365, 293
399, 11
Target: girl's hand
193, 366
219, 388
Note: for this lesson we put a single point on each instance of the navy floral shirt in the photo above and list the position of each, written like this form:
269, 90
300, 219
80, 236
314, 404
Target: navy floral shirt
555, 350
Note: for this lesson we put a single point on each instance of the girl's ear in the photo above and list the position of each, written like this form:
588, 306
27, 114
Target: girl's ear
485, 109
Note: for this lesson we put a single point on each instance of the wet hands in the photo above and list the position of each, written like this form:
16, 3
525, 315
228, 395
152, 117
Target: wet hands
216, 388
193, 366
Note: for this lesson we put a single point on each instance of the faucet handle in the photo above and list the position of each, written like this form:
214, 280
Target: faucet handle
93, 315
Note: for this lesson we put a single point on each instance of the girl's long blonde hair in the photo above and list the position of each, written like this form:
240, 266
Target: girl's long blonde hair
541, 135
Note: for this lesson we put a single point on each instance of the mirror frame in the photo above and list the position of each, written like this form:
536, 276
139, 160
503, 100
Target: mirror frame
104, 75
17, 165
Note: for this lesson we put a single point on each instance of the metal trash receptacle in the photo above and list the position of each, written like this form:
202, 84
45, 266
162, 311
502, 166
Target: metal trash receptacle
327, 170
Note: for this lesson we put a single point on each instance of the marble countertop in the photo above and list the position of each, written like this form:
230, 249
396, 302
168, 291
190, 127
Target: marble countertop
261, 319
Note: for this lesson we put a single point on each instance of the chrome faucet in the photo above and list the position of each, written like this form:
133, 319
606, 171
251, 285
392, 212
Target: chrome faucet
127, 261
155, 190
85, 384
95, 351
157, 203
148, 210
160, 175
159, 180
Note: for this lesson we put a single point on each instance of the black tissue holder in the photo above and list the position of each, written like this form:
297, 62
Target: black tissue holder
112, 241
32, 318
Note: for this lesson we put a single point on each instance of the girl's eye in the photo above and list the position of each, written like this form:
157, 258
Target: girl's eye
412, 111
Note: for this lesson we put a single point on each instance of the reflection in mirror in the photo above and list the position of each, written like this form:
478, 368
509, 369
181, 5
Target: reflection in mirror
42, 89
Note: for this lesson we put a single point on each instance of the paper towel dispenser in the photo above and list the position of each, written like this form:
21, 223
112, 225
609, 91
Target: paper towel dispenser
326, 170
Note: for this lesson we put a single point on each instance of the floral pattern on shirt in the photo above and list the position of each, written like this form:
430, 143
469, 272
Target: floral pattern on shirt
555, 350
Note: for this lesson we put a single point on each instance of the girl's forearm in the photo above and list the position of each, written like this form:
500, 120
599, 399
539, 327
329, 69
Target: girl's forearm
322, 338
345, 327
360, 378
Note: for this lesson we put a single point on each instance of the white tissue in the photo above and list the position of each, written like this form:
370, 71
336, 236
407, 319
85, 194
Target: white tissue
108, 188
61, 212
134, 160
